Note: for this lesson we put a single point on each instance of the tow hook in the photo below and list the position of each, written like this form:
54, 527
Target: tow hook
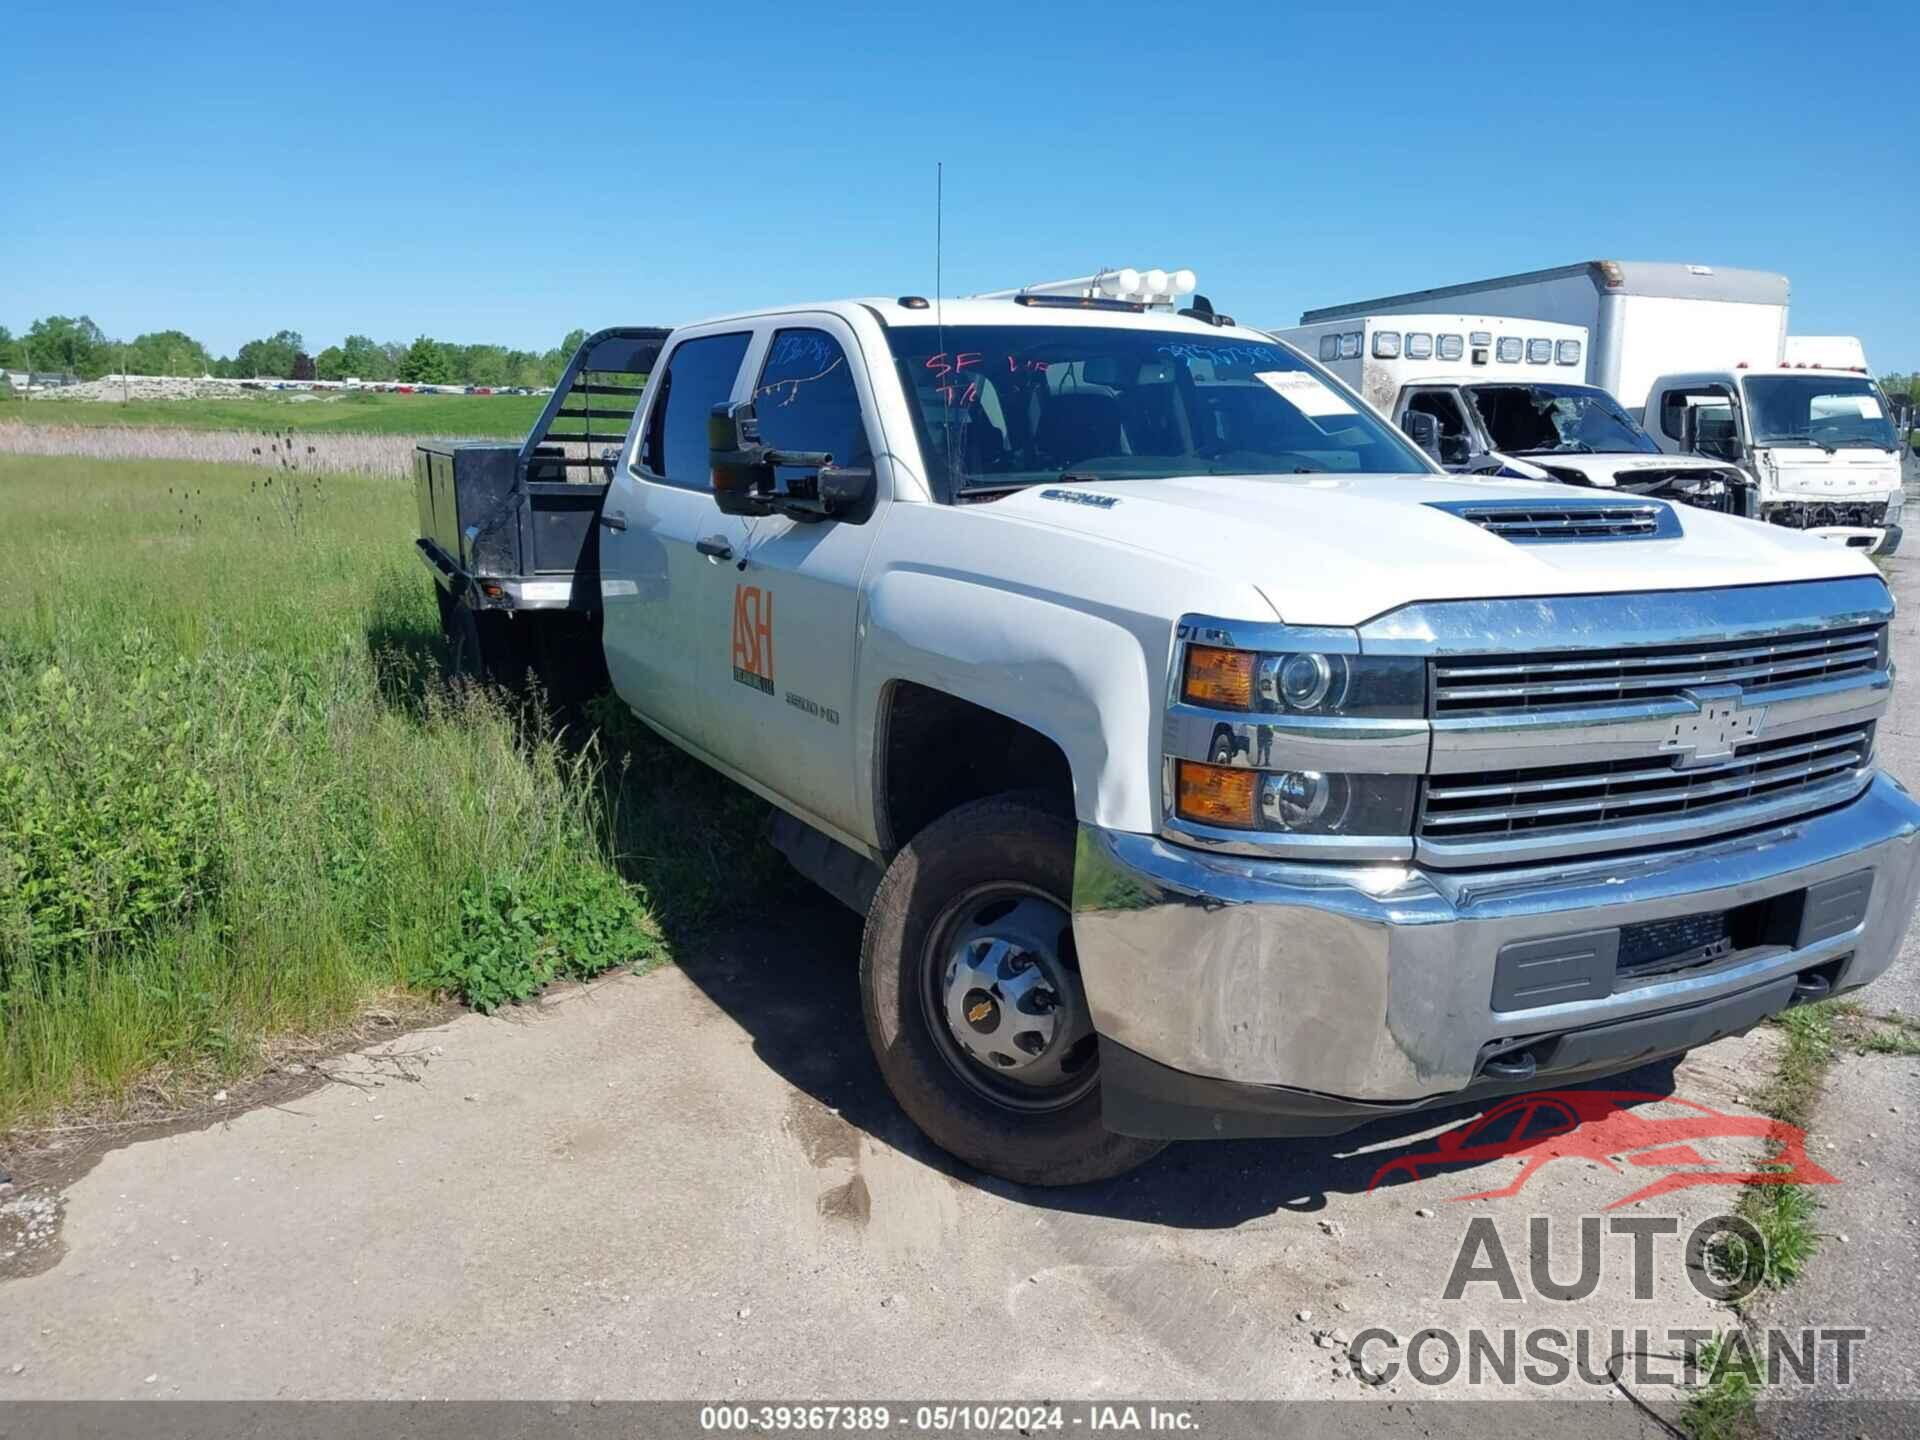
1514, 1065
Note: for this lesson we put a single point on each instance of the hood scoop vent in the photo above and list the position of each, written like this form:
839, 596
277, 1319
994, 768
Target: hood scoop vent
1540, 522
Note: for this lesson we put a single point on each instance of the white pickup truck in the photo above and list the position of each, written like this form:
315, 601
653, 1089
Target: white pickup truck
1205, 761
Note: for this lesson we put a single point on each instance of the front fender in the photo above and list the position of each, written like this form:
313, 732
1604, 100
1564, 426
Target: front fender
1085, 680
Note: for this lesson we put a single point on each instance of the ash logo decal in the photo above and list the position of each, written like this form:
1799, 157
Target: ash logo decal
753, 637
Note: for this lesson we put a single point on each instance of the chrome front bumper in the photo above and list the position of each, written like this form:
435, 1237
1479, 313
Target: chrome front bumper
1374, 983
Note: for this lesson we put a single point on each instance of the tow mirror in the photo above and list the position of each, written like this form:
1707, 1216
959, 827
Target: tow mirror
1424, 430
745, 481
737, 460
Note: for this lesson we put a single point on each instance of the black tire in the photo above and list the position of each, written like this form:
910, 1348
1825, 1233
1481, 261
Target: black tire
466, 657
1006, 840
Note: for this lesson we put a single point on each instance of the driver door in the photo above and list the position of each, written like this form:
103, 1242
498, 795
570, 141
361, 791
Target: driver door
780, 612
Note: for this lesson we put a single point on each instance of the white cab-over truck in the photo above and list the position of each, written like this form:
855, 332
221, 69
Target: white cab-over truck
1205, 761
1671, 342
1507, 397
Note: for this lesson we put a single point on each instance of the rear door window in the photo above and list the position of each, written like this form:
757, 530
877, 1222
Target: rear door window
699, 375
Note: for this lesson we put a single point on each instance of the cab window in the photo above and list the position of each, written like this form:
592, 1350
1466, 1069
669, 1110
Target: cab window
699, 375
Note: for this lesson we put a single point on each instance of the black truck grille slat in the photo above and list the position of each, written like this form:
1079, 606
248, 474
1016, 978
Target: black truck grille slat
1533, 682
1636, 791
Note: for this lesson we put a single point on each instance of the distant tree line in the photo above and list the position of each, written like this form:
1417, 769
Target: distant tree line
77, 346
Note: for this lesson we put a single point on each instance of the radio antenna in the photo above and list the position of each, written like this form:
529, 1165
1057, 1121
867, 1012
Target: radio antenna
939, 312
939, 226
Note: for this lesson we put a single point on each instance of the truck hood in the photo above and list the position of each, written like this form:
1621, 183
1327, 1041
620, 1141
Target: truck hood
1629, 469
1797, 473
1339, 550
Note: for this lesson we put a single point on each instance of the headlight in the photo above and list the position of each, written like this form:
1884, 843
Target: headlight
1294, 802
1306, 802
1304, 682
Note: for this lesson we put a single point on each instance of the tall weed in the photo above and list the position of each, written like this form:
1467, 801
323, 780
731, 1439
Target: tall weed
235, 799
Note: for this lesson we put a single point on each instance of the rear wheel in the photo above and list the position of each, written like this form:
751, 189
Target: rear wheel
973, 998
466, 659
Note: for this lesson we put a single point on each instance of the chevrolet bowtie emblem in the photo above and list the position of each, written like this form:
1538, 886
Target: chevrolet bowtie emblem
1723, 723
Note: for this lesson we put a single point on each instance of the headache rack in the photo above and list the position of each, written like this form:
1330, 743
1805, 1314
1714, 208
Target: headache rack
514, 526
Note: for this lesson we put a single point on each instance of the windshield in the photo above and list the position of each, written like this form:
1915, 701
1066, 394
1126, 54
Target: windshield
1826, 410
1001, 407
1557, 420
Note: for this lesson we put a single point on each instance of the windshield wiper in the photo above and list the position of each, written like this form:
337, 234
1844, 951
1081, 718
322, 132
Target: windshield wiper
1572, 447
1806, 440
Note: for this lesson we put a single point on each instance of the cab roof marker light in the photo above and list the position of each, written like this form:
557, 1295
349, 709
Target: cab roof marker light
1539, 352
1509, 350
1154, 286
1350, 345
1419, 345
1567, 352
1386, 344
1451, 347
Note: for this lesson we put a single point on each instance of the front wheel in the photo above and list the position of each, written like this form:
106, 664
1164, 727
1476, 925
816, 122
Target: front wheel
973, 998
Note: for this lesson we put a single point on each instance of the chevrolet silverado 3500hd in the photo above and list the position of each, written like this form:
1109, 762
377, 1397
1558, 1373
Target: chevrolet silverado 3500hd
1205, 762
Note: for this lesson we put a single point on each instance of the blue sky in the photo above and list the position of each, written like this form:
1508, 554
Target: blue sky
506, 173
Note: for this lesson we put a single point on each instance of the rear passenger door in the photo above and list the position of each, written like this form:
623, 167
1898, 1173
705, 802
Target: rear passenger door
656, 584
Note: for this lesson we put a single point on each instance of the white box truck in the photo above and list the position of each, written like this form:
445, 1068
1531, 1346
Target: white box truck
1491, 395
1820, 450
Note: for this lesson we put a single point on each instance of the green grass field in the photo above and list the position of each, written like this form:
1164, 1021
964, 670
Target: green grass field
238, 802
357, 411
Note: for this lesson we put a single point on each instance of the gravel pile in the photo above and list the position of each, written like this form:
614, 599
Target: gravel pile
141, 387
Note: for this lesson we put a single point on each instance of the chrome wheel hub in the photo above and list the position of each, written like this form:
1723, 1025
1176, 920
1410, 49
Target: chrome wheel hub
1010, 998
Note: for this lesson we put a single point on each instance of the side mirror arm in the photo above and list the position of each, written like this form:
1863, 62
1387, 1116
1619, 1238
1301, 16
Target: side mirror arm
744, 479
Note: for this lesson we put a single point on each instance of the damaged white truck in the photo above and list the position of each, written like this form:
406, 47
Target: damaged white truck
1205, 761
1701, 357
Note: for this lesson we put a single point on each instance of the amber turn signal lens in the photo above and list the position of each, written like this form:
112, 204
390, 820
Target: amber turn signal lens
1216, 795
1222, 679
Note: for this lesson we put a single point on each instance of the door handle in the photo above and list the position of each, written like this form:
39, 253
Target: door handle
614, 519
717, 546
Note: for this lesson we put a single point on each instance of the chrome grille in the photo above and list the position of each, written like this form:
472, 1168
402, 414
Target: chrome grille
1533, 682
1583, 797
